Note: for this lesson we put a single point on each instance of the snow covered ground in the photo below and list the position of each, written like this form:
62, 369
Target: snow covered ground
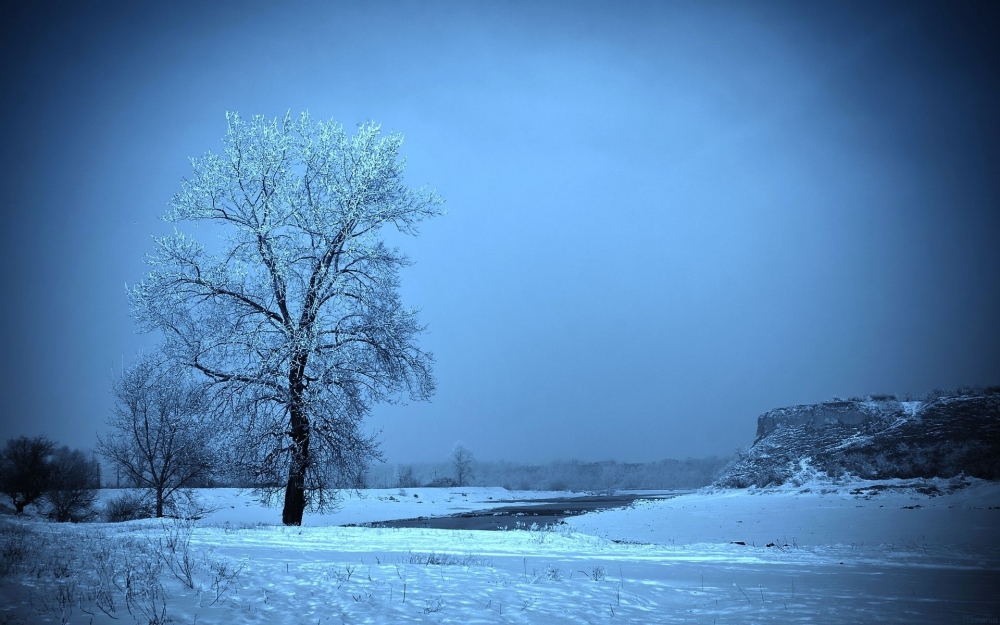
367, 506
838, 554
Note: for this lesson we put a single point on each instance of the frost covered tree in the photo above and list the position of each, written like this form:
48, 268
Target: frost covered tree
159, 437
462, 460
294, 316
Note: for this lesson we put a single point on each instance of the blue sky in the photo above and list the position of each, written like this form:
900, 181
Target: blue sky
664, 218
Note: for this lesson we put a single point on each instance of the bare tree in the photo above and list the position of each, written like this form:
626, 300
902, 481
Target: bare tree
25, 470
159, 437
296, 321
405, 477
463, 460
73, 482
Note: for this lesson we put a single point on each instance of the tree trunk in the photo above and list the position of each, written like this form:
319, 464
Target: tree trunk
19, 506
159, 503
295, 491
295, 495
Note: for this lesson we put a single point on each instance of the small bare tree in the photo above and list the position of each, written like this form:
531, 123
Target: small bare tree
406, 479
73, 482
25, 469
462, 460
159, 438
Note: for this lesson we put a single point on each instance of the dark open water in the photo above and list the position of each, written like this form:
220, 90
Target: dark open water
522, 514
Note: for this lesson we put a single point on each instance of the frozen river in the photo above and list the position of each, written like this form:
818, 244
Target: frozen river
522, 514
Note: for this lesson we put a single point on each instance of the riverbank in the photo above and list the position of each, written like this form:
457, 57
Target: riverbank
861, 552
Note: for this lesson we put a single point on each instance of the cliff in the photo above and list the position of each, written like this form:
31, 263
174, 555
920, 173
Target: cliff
945, 435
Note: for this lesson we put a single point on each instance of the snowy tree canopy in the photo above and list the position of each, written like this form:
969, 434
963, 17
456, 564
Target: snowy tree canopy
295, 320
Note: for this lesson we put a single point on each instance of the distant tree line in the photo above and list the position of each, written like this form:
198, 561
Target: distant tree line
935, 394
557, 475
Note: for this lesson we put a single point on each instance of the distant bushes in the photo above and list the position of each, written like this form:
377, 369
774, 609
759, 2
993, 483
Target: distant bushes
17, 544
129, 506
60, 481
962, 391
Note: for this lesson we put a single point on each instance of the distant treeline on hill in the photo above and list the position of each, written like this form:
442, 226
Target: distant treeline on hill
558, 475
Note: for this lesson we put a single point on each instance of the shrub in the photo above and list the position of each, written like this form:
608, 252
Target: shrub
738, 472
128, 507
17, 544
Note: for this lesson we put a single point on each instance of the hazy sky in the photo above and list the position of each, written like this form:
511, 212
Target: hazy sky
664, 218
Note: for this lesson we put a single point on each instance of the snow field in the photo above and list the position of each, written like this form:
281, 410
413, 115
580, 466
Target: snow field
605, 567
366, 506
886, 513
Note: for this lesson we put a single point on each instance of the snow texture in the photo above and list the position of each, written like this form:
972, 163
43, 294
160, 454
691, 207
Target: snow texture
890, 551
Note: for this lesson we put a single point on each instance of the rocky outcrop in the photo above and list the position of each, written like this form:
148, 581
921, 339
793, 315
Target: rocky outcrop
943, 436
852, 412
